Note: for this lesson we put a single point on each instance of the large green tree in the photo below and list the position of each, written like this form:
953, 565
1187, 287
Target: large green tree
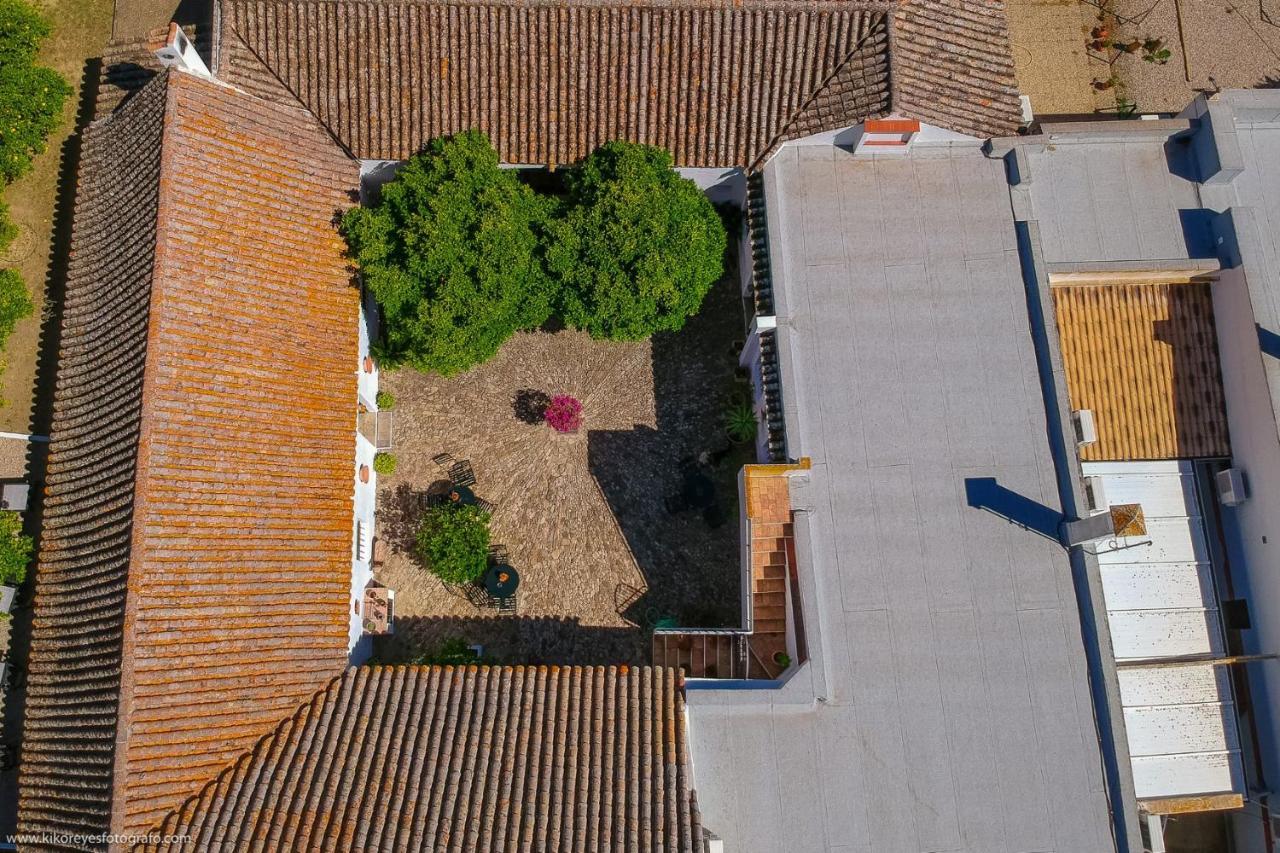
637, 248
451, 250
31, 96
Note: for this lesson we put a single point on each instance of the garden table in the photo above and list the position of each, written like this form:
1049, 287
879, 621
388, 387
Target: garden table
461, 495
501, 581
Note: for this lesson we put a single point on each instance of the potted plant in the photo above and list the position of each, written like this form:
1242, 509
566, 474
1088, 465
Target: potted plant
564, 414
782, 659
385, 400
453, 542
384, 463
740, 422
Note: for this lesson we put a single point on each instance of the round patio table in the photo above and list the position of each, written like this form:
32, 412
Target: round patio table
461, 495
501, 581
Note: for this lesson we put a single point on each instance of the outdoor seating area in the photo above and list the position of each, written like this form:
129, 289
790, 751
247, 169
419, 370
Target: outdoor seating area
605, 476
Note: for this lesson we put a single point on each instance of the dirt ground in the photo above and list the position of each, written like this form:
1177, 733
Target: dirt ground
1221, 44
582, 516
1214, 45
1053, 69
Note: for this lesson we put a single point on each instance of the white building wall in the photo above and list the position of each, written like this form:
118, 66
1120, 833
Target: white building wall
364, 500
1255, 448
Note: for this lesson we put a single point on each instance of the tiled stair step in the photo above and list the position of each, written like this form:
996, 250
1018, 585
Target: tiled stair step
770, 626
771, 612
776, 584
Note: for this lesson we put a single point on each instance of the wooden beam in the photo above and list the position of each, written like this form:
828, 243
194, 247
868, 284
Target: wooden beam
1105, 277
1189, 805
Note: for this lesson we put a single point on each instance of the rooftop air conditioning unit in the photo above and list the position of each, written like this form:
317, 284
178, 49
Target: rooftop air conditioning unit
1086, 429
1230, 483
1095, 495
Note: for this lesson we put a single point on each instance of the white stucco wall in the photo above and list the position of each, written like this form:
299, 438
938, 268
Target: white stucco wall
720, 185
1255, 448
364, 498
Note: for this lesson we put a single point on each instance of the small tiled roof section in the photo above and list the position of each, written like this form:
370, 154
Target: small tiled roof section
716, 82
1144, 359
953, 66
476, 758
194, 580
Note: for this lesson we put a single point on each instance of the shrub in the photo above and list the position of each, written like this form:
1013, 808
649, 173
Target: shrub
452, 651
8, 230
15, 549
564, 413
384, 463
530, 406
15, 302
385, 400
451, 251
453, 541
31, 96
638, 247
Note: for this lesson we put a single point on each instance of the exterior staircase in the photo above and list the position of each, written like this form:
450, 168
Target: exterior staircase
772, 556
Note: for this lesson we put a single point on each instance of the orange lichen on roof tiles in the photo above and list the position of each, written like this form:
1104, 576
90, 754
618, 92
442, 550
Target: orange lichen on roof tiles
241, 568
1144, 359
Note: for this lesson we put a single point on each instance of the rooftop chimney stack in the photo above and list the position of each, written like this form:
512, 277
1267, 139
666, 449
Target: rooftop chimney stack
179, 52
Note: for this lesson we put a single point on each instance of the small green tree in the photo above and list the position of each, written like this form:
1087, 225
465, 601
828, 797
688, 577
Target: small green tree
454, 542
15, 549
8, 230
451, 252
31, 96
639, 246
15, 302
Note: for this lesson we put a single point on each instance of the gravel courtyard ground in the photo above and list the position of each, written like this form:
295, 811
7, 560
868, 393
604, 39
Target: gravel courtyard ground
582, 515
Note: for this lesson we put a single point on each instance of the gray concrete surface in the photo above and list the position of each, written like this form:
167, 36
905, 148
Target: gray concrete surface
947, 703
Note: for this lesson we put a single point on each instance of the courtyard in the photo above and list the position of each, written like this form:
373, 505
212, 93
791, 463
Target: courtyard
584, 517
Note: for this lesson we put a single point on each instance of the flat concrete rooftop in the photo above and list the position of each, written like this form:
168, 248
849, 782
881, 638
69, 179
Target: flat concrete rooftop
946, 705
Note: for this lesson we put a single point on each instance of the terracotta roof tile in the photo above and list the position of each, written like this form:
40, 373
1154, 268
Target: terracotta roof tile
953, 66
716, 83
476, 758
234, 530
1144, 359
74, 667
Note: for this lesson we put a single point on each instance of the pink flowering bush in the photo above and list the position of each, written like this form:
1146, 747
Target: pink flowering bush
564, 414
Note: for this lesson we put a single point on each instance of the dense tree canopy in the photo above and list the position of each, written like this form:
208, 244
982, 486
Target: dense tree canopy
638, 247
31, 96
451, 251
461, 254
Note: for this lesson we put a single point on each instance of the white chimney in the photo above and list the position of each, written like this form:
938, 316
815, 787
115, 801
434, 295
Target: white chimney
179, 52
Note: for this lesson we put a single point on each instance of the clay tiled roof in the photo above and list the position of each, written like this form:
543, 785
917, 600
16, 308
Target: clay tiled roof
716, 82
188, 604
74, 669
953, 66
486, 759
1144, 358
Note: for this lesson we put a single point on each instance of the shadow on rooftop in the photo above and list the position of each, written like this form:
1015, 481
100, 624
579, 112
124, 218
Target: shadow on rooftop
1268, 342
986, 494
